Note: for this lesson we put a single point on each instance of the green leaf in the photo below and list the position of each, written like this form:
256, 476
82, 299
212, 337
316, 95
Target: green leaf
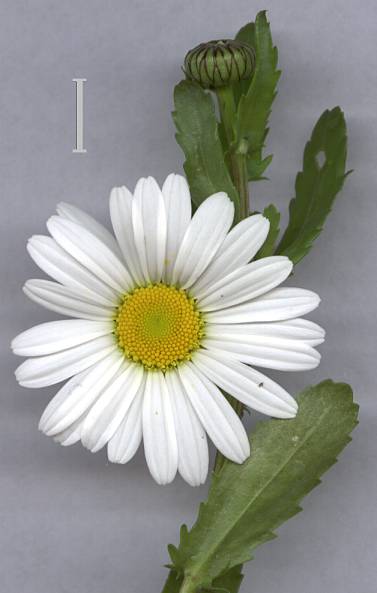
288, 457
247, 35
321, 178
173, 583
254, 106
256, 167
268, 247
229, 582
198, 136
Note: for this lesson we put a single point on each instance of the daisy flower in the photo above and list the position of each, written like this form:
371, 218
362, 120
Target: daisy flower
170, 314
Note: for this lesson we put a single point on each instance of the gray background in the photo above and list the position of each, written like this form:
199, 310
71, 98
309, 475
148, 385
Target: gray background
70, 522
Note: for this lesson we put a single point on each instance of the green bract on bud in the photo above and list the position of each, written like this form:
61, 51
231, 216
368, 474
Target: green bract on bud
219, 63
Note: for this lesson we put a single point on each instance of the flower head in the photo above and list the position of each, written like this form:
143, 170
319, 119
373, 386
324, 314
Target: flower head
220, 63
167, 315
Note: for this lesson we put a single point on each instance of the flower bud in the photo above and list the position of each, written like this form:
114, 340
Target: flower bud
219, 63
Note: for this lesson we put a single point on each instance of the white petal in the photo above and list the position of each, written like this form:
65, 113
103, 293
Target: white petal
191, 436
86, 248
96, 228
303, 329
66, 301
126, 440
58, 264
51, 369
111, 407
54, 336
246, 384
76, 397
239, 247
70, 435
177, 200
247, 283
203, 238
277, 305
292, 329
121, 218
219, 419
272, 353
160, 442
149, 224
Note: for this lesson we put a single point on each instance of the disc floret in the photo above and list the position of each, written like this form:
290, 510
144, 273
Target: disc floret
158, 326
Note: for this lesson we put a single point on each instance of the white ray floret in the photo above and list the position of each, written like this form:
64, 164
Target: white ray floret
126, 440
121, 218
203, 238
54, 336
67, 301
63, 268
239, 247
96, 228
77, 396
177, 200
166, 316
149, 227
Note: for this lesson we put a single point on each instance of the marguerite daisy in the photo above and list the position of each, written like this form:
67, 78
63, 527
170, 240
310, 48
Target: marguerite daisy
169, 313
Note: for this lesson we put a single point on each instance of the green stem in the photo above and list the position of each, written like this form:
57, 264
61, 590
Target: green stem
241, 181
237, 151
188, 586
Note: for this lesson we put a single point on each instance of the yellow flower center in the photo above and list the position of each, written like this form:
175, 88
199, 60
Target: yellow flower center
158, 326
